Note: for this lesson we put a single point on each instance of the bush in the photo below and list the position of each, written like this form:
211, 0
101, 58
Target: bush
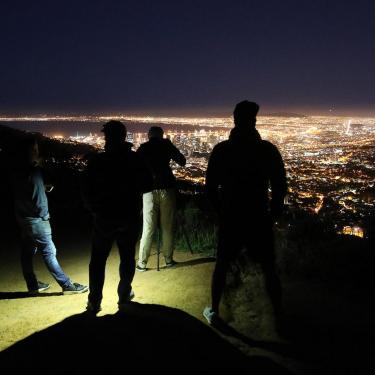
196, 227
308, 248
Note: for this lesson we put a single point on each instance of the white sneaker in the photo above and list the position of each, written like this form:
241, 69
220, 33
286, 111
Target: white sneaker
140, 268
210, 315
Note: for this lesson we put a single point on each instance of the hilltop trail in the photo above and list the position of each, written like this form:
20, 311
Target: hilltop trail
185, 287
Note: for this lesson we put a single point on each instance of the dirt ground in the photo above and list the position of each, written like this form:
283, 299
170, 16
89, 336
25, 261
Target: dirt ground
187, 288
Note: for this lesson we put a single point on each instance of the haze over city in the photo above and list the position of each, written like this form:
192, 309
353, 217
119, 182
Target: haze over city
187, 58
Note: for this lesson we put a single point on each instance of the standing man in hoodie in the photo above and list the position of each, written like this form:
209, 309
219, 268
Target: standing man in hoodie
113, 184
239, 174
159, 205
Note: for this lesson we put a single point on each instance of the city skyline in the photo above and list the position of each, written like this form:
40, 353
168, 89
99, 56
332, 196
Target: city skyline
329, 160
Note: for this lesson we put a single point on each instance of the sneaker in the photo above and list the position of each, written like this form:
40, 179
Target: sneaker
140, 269
93, 308
41, 288
171, 264
122, 306
75, 288
210, 315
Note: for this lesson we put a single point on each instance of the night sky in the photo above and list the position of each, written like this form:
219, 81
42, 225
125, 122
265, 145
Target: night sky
186, 57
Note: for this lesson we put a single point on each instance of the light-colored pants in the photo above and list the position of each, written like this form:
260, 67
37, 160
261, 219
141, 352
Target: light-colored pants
159, 208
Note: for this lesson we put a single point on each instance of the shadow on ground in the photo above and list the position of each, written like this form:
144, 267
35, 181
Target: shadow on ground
332, 346
317, 347
188, 263
144, 338
195, 262
17, 295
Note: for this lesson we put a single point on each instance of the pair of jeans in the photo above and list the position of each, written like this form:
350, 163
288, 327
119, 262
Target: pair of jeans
37, 236
106, 232
159, 208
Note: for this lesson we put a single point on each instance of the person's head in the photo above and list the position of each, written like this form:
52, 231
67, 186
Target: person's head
245, 114
29, 150
114, 134
155, 132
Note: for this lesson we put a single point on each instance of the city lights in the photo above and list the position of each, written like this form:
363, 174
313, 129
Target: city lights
329, 161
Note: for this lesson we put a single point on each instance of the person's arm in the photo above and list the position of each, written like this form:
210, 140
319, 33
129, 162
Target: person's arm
87, 185
48, 176
145, 166
176, 155
213, 180
38, 198
278, 183
145, 178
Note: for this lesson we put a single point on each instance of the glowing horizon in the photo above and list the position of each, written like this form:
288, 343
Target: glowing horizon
183, 120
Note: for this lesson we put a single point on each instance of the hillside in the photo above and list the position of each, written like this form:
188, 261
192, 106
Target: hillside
323, 333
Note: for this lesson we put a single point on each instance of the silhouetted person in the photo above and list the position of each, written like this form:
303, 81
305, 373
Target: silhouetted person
159, 205
114, 182
31, 209
239, 174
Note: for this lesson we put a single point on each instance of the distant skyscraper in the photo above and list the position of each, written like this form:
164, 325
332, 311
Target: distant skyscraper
130, 137
348, 128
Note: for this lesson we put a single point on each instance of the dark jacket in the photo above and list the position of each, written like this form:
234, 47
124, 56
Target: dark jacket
113, 183
240, 172
158, 153
30, 200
